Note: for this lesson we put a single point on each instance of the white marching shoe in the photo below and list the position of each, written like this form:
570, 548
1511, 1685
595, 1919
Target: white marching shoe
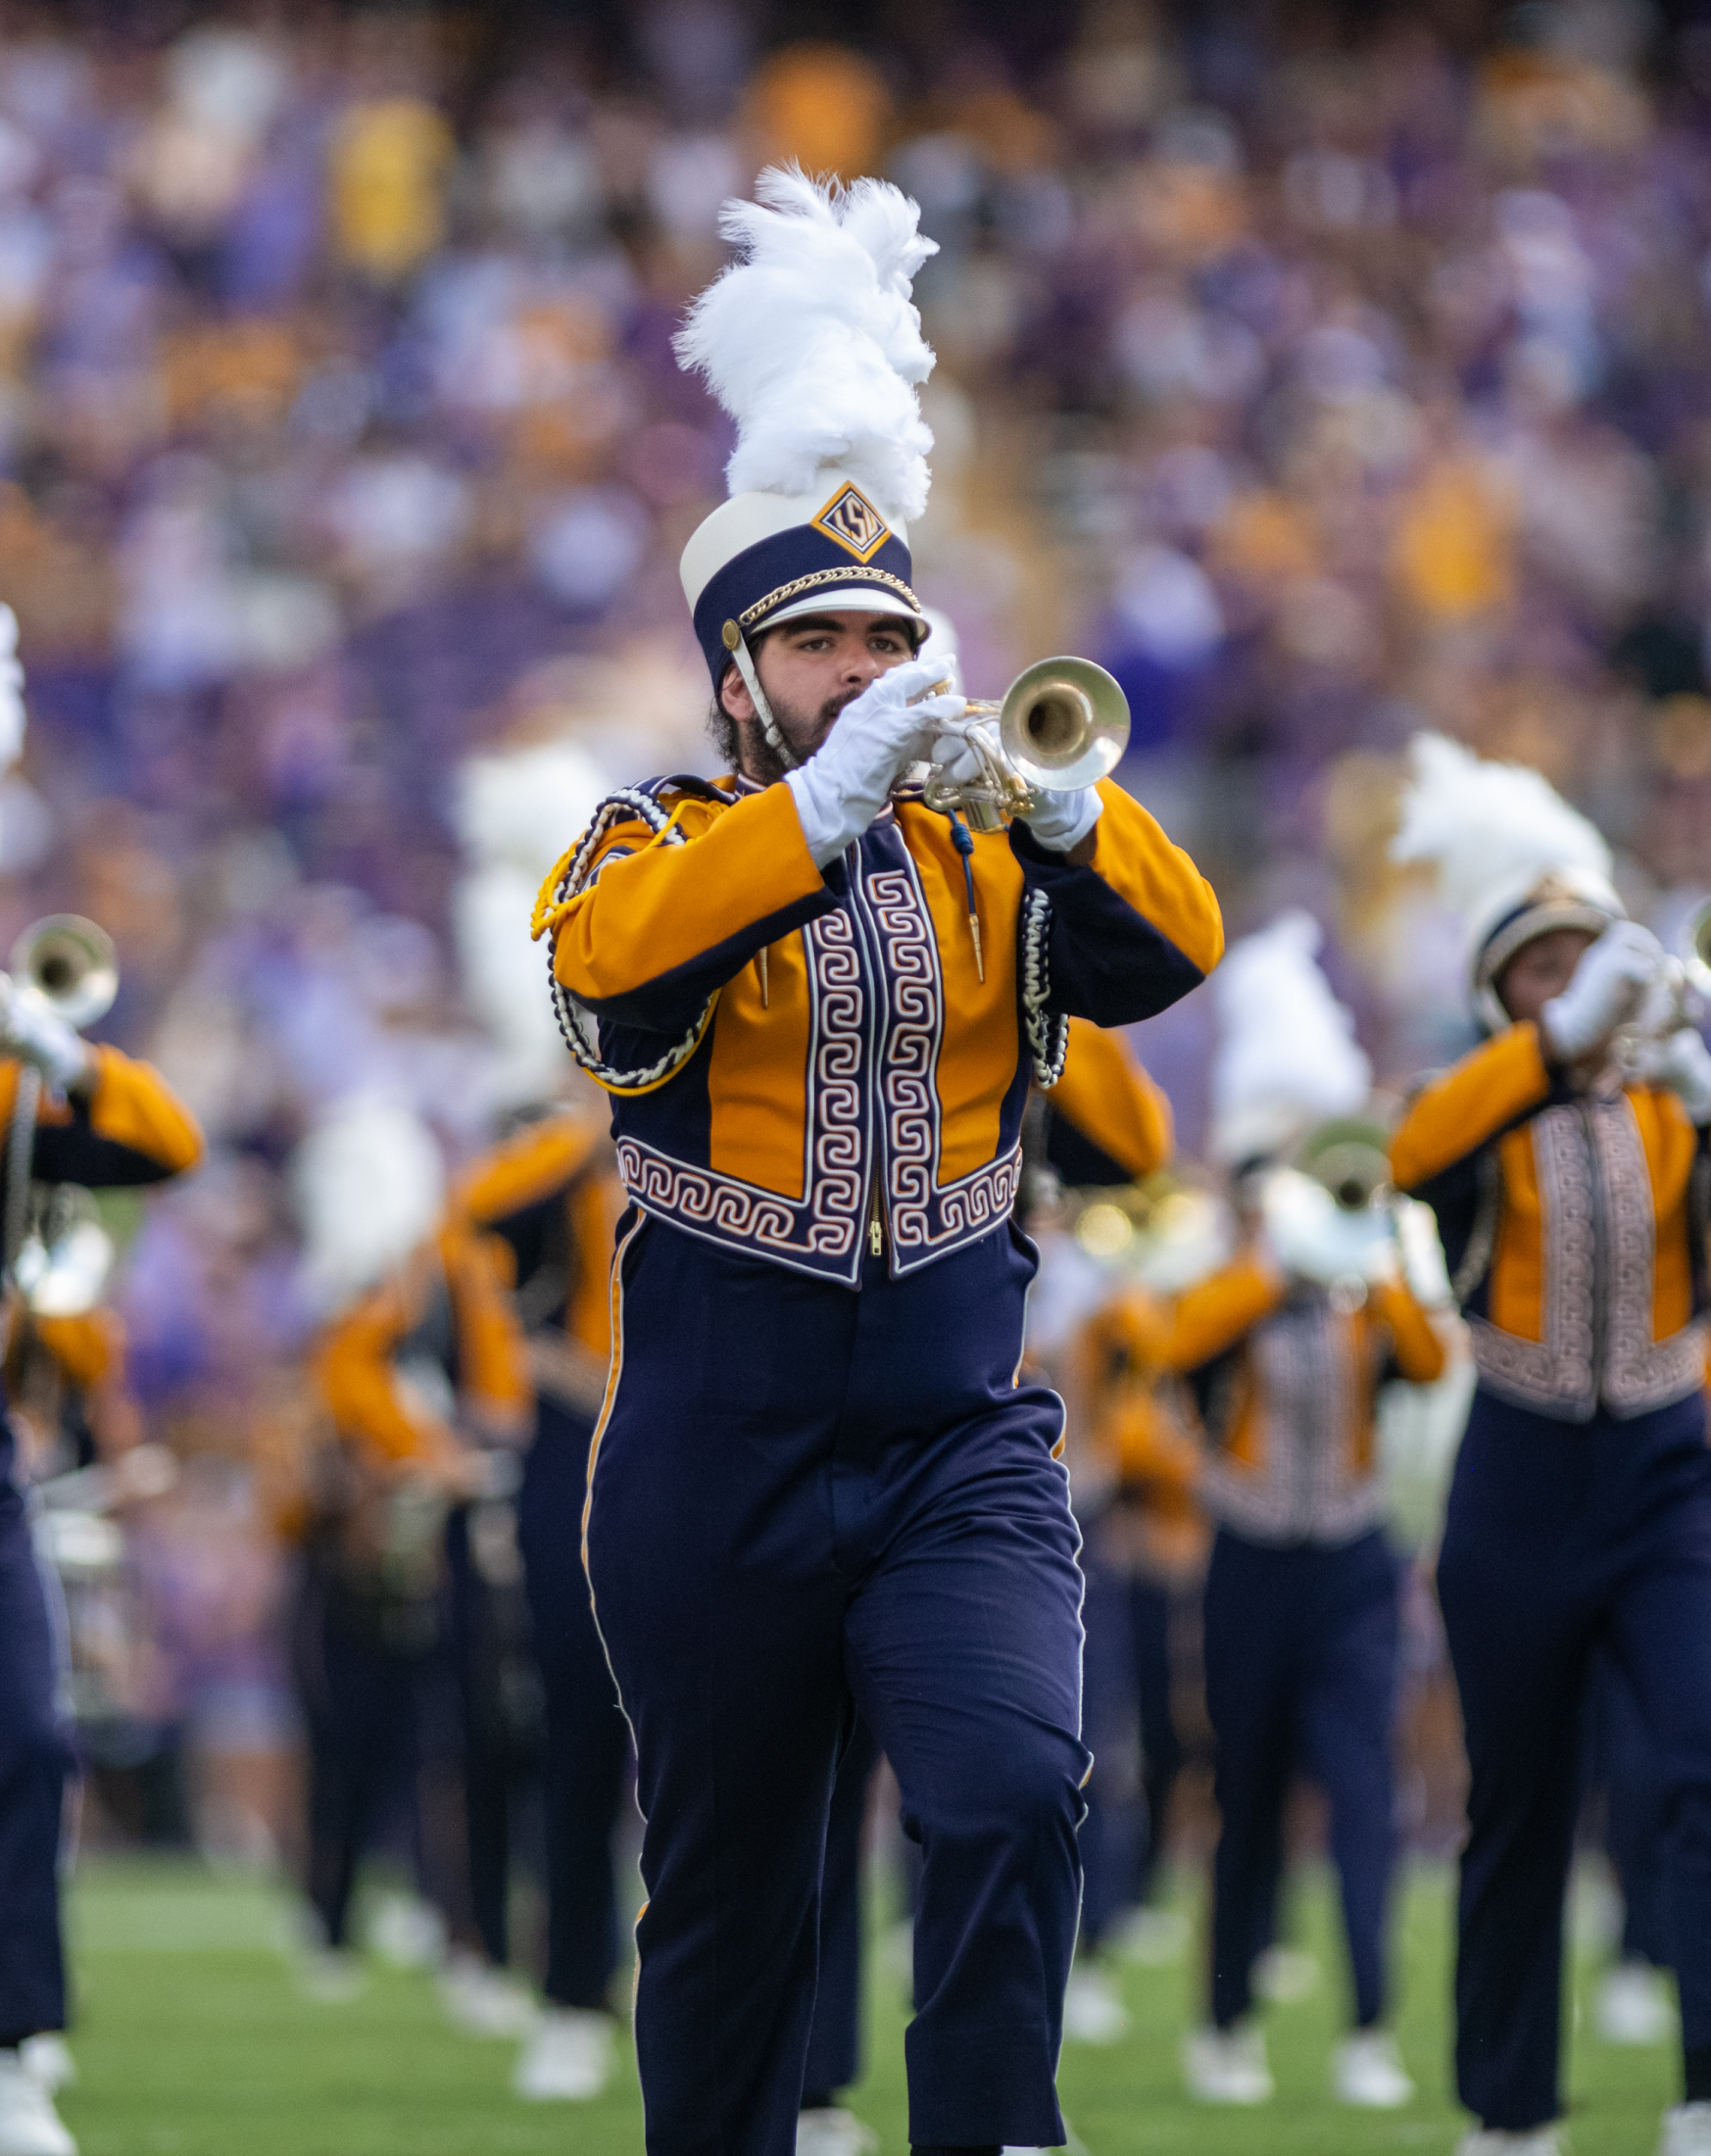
830, 2132
485, 2001
567, 2059
1687, 2132
1284, 1976
1227, 2066
48, 2057
1092, 2011
29, 2125
1366, 2071
1491, 2140
1633, 2005
1153, 1938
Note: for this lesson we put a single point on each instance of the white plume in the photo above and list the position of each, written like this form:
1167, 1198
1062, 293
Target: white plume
1287, 1055
527, 805
811, 342
1491, 828
369, 1182
517, 814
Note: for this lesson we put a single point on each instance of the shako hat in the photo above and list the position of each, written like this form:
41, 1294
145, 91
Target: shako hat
811, 342
1286, 1057
1512, 858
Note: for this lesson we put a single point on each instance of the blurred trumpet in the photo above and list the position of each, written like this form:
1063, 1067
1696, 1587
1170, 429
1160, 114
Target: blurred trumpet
1675, 995
1349, 1158
70, 964
1331, 1215
1063, 723
1163, 1233
67, 1256
60, 1255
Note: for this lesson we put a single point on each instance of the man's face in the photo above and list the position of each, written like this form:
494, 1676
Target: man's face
809, 669
1540, 970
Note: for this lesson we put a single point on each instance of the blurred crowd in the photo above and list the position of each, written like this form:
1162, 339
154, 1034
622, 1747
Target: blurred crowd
1324, 380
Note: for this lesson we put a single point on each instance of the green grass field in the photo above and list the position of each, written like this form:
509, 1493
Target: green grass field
194, 2040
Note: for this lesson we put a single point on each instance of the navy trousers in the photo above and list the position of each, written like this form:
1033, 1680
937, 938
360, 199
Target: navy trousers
1561, 1537
1302, 1648
499, 1703
834, 2052
806, 1497
1624, 1771
363, 1706
36, 1757
587, 1740
1131, 1730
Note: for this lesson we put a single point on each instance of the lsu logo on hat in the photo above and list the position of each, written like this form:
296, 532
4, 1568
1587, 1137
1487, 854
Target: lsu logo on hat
852, 519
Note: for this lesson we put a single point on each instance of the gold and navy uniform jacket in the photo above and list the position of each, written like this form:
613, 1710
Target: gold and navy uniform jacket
124, 1126
1574, 1227
549, 1197
1286, 1385
1136, 1429
448, 1307
805, 1066
1107, 1121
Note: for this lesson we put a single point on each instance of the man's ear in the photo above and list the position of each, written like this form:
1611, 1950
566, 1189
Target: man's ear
734, 698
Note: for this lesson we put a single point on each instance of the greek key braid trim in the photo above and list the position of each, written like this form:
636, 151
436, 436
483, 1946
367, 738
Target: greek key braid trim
627, 805
1047, 1030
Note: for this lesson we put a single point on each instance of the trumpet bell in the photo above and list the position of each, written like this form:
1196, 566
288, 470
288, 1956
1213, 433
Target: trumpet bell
1063, 724
1347, 1157
71, 964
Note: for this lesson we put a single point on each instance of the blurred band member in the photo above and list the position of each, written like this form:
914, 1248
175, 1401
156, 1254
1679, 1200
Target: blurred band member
817, 1484
101, 1121
1104, 1128
1285, 1349
423, 1378
550, 1198
1563, 1158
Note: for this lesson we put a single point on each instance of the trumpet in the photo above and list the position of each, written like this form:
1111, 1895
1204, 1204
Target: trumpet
1347, 1156
57, 1252
70, 964
1675, 995
1062, 724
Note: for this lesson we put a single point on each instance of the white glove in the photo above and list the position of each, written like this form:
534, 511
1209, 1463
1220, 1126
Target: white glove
1060, 822
36, 1034
1681, 1063
1311, 1237
1608, 987
842, 785
1423, 1263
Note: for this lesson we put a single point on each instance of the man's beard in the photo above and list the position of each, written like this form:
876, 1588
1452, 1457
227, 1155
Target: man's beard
762, 762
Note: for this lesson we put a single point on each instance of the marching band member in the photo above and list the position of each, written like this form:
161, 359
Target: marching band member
817, 1484
1285, 1347
1149, 1541
1104, 1127
1561, 1158
550, 1195
420, 1353
101, 1120
550, 1198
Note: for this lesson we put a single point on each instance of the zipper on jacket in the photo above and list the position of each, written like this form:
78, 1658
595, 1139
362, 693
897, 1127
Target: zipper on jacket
876, 1219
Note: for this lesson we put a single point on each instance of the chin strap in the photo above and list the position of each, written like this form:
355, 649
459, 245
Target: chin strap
738, 646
